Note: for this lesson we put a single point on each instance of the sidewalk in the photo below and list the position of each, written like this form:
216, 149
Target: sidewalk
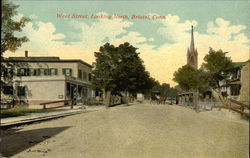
34, 117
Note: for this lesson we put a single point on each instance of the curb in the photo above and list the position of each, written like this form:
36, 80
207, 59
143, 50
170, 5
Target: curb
41, 118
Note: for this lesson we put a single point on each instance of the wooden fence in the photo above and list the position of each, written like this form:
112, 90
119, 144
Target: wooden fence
240, 108
66, 103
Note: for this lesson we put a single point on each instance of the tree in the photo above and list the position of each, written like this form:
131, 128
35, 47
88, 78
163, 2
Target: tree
105, 63
190, 79
165, 90
8, 39
120, 69
9, 26
216, 65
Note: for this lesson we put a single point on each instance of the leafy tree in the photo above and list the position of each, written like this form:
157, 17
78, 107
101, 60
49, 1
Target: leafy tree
8, 39
120, 69
190, 79
106, 61
131, 71
216, 65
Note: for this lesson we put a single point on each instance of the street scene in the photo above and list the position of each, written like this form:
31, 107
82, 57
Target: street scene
104, 79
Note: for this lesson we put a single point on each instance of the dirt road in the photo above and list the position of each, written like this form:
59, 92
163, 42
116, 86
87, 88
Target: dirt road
136, 131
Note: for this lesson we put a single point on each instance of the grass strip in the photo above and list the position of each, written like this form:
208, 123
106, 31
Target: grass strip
20, 111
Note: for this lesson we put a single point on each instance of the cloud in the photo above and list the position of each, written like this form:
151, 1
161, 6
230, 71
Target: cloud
161, 62
44, 41
95, 33
174, 30
42, 38
223, 29
133, 38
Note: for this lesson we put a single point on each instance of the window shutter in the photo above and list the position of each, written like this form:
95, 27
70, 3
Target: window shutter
64, 71
38, 72
18, 72
70, 70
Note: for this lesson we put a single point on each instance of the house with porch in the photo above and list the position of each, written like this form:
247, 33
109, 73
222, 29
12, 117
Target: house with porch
43, 79
236, 86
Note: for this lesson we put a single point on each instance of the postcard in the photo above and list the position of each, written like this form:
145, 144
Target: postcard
127, 79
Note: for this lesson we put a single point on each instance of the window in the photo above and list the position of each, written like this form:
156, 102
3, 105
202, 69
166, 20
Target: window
36, 72
23, 72
8, 72
41, 72
21, 91
235, 90
47, 72
67, 72
80, 74
31, 72
20, 72
53, 71
8, 90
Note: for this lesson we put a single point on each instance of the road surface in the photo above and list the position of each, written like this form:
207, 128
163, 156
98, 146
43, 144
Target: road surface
135, 131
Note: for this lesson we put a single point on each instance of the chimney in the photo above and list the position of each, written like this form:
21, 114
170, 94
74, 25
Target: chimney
26, 54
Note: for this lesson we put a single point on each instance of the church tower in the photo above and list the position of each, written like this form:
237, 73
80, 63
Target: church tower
192, 54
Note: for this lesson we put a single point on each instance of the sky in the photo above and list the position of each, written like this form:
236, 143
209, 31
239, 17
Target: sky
162, 42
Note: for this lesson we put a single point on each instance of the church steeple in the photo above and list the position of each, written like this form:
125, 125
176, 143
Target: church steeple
192, 54
192, 40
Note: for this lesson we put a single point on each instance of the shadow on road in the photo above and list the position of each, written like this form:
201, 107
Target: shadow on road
14, 141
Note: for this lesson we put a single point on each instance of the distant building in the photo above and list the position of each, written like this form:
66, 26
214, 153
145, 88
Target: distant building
43, 79
245, 83
236, 86
192, 54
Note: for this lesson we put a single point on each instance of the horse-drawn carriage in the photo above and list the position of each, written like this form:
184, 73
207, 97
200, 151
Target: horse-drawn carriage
156, 98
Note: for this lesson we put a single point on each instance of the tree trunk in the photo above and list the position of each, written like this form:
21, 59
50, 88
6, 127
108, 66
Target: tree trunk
219, 94
195, 100
221, 98
107, 98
